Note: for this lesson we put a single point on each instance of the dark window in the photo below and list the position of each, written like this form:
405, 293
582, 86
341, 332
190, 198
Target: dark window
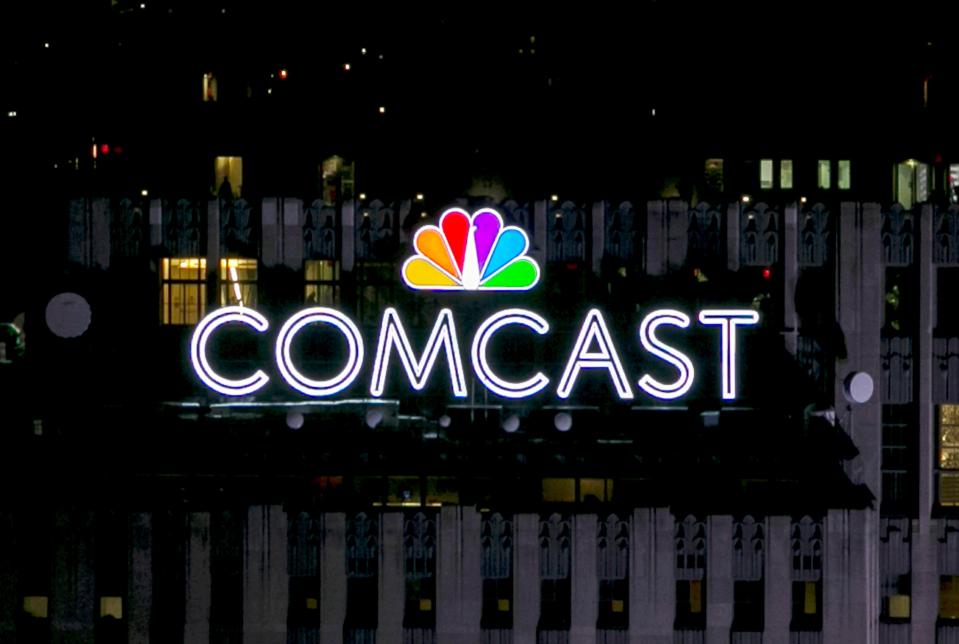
748, 606
555, 605
690, 604
613, 604
807, 606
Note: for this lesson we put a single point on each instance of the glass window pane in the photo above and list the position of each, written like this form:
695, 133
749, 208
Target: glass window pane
766, 174
824, 175
845, 175
786, 174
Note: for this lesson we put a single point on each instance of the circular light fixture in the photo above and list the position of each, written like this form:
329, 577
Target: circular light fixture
858, 387
294, 420
68, 315
563, 421
444, 421
373, 418
511, 424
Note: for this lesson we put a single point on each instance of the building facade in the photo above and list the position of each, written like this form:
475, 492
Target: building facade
144, 507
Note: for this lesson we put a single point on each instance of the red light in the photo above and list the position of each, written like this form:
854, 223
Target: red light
104, 149
118, 149
283, 74
767, 273
938, 158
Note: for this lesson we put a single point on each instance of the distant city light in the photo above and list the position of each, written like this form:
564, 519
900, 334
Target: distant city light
144, 192
104, 148
12, 114
653, 112
143, 5
93, 150
346, 67
419, 196
802, 200
767, 273
118, 149
554, 198
283, 74
363, 51
381, 56
423, 215
362, 196
269, 90
382, 110
46, 45
745, 198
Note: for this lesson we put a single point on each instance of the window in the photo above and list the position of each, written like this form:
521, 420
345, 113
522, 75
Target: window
845, 175
786, 174
899, 458
322, 279
183, 289
807, 555
714, 175
766, 174
419, 545
362, 582
954, 183
238, 282
895, 561
612, 541
947, 313
824, 175
949, 455
911, 183
949, 597
228, 176
209, 88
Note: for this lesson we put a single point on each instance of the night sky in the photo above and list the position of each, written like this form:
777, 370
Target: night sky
589, 101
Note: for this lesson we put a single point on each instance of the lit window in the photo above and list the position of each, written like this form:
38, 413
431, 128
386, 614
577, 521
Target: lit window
183, 289
228, 176
786, 174
949, 454
111, 607
596, 490
322, 279
209, 88
766, 174
714, 174
845, 175
238, 282
824, 175
559, 490
954, 183
35, 606
949, 597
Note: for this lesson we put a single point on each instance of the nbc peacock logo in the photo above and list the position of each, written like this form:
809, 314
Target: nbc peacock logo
471, 253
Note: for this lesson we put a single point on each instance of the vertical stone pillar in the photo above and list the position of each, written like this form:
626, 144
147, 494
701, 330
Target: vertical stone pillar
291, 234
156, 222
585, 586
74, 588
677, 222
392, 579
526, 582
778, 580
100, 233
265, 580
332, 576
271, 244
732, 237
598, 223
540, 220
655, 238
348, 238
719, 579
198, 580
454, 574
652, 592
139, 601
790, 269
925, 575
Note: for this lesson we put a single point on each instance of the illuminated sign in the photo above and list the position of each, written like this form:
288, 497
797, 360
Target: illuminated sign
474, 253
594, 349
471, 253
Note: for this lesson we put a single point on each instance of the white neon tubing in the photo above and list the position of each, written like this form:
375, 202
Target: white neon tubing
482, 338
202, 333
594, 330
354, 343
393, 334
727, 320
666, 353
